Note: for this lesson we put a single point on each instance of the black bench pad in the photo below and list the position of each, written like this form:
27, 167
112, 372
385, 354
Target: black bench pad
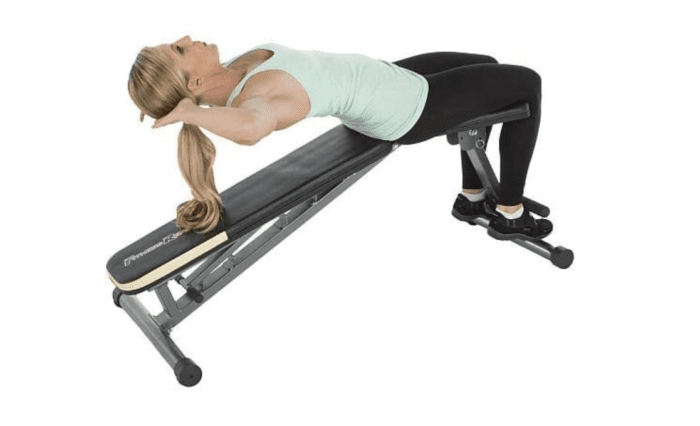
319, 165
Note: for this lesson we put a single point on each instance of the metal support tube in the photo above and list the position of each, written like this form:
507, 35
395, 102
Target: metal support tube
541, 248
214, 260
158, 337
202, 268
473, 141
166, 299
559, 256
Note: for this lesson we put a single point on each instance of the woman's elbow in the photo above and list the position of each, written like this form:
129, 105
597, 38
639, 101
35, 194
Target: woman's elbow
245, 142
249, 137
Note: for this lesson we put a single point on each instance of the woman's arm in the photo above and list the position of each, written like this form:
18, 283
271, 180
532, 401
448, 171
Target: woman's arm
235, 124
254, 119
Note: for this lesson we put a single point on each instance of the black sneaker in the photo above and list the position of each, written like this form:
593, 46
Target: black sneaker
466, 210
523, 228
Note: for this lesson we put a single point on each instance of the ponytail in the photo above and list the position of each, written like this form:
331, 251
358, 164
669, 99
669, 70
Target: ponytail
195, 156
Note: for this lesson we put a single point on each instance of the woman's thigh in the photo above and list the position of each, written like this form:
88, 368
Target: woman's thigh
463, 93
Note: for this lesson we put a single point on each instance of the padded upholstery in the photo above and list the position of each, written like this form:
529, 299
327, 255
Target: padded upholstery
319, 165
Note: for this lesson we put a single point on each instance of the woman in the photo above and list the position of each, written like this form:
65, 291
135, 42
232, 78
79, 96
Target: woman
272, 87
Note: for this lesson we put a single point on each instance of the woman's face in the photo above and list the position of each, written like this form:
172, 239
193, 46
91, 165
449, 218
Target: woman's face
194, 57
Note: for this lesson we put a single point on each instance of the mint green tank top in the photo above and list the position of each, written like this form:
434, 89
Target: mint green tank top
371, 96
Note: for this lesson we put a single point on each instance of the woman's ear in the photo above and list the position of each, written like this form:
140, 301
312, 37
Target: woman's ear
194, 84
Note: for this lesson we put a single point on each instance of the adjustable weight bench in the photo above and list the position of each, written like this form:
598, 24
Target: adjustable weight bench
290, 190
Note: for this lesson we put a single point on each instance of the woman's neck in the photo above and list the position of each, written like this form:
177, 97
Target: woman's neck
218, 87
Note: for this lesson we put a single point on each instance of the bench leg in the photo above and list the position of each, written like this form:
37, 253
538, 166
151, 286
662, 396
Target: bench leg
186, 371
217, 271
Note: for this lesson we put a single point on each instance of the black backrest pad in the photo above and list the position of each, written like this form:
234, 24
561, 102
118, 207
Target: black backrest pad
306, 171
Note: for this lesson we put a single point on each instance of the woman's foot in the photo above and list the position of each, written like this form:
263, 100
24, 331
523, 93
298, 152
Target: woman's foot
524, 227
467, 210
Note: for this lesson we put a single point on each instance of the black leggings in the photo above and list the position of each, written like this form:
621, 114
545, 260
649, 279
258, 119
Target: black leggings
463, 86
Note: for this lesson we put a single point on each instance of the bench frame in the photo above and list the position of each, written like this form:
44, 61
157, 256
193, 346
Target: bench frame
224, 265
214, 273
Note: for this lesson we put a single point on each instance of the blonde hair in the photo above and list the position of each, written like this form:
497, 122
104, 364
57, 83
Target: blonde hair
157, 85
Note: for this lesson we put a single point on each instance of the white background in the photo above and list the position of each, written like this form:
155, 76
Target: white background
383, 309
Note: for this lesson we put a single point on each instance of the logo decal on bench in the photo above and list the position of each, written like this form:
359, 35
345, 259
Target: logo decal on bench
164, 241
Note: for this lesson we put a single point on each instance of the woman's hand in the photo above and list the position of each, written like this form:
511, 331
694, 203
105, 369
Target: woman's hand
184, 107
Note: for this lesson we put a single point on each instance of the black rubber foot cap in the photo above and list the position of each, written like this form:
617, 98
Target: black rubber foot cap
116, 294
187, 372
562, 257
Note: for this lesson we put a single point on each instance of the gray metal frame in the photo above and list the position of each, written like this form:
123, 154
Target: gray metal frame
218, 270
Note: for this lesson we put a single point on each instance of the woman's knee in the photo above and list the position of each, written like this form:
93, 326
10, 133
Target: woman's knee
532, 79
